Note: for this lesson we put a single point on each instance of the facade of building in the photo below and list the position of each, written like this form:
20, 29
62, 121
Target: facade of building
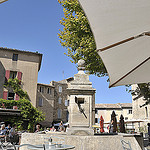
52, 100
45, 102
106, 110
23, 65
61, 102
140, 112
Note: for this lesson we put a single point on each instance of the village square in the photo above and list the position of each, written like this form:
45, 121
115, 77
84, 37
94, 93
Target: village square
37, 111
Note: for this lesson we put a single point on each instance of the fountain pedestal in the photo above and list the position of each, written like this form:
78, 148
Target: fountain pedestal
81, 103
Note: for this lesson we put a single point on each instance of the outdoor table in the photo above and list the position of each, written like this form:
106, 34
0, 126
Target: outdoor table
52, 147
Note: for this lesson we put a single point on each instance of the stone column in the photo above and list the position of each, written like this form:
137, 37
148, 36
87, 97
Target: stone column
81, 102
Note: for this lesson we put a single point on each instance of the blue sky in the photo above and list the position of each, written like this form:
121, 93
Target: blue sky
33, 25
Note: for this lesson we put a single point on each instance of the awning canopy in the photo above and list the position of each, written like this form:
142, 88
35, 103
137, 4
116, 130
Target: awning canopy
1, 1
10, 112
121, 31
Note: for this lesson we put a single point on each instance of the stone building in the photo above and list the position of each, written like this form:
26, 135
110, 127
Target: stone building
52, 100
140, 112
61, 100
106, 110
23, 65
45, 102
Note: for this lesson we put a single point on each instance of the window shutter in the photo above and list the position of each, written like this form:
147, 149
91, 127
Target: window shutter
5, 93
7, 74
66, 103
19, 75
59, 100
59, 113
17, 97
40, 102
15, 107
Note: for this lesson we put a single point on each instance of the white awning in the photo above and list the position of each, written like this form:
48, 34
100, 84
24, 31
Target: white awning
1, 1
121, 30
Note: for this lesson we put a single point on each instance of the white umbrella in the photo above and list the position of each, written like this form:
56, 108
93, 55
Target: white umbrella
121, 30
1, 1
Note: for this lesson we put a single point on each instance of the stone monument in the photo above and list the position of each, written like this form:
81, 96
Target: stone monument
81, 107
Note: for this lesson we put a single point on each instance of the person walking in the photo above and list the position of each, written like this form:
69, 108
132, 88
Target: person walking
111, 127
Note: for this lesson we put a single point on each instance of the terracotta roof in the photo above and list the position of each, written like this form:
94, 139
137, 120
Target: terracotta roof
66, 80
45, 84
107, 106
125, 104
113, 106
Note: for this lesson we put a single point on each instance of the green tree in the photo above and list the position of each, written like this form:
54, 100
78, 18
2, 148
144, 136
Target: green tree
142, 90
28, 113
77, 37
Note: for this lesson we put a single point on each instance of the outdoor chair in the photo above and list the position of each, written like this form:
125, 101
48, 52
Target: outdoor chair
5, 142
37, 147
126, 145
16, 147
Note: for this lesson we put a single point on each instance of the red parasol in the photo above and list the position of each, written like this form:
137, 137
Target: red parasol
101, 124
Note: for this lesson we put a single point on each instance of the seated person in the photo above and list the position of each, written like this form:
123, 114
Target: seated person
8, 127
37, 128
2, 131
12, 131
14, 137
53, 129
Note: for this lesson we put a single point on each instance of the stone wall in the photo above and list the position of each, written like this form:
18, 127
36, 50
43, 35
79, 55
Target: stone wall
111, 142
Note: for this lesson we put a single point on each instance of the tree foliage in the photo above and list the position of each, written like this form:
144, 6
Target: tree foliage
28, 112
142, 90
77, 37
15, 85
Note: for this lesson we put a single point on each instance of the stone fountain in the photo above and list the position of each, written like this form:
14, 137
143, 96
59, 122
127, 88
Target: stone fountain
81, 108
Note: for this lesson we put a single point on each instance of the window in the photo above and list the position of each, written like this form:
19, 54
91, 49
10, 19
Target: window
13, 74
40, 102
15, 57
130, 111
126, 118
11, 96
66, 102
59, 113
41, 89
59, 100
60, 89
48, 91
146, 112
